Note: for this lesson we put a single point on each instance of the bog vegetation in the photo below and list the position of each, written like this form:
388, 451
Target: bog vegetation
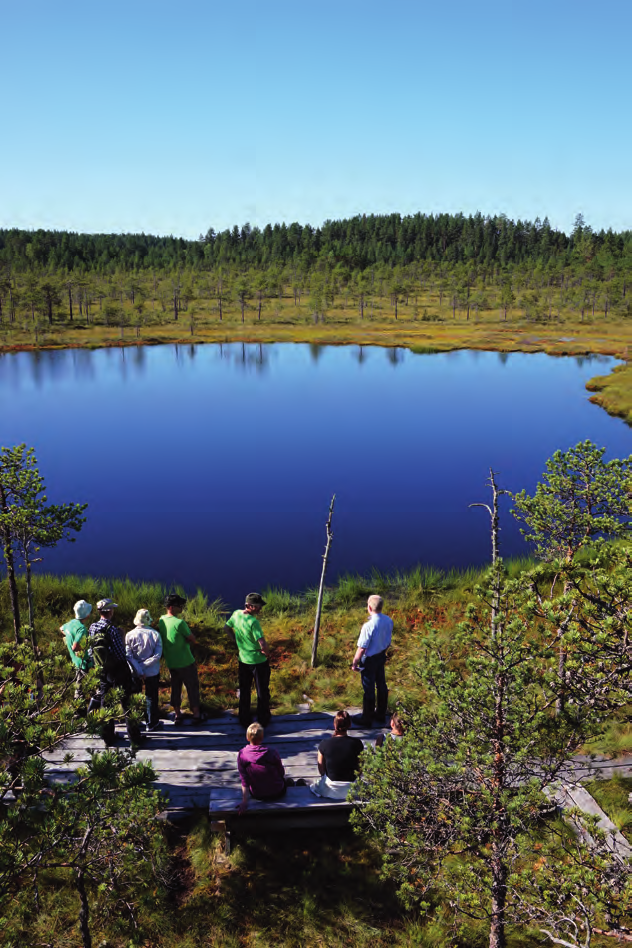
421, 267
501, 677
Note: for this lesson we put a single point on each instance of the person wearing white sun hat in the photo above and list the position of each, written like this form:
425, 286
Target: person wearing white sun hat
75, 635
143, 647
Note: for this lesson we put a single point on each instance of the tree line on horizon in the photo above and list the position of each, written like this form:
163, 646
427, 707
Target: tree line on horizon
359, 242
372, 265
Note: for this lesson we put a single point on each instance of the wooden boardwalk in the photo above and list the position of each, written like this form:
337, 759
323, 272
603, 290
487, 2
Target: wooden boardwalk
190, 759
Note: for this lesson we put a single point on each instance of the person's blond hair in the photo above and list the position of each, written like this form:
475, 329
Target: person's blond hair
254, 733
376, 603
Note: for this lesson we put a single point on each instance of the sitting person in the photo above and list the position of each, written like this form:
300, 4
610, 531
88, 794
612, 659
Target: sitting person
338, 760
261, 770
396, 731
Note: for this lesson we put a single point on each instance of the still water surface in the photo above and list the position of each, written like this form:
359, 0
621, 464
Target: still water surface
214, 465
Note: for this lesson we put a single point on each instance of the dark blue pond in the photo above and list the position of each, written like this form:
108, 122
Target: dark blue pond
213, 465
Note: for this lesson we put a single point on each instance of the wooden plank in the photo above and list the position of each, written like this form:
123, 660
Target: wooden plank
295, 798
571, 796
196, 742
279, 728
192, 761
287, 750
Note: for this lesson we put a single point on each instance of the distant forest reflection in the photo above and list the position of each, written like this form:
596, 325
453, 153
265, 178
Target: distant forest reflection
56, 364
213, 465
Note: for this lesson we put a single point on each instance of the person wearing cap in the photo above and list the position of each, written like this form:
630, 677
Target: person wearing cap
176, 636
253, 659
108, 652
370, 659
75, 637
143, 647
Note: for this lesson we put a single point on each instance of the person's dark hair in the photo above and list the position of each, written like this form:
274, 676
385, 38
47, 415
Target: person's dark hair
342, 722
173, 599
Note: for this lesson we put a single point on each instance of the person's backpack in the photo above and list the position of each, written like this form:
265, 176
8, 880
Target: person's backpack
102, 654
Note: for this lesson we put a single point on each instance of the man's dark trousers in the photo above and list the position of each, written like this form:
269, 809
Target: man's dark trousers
118, 677
151, 697
373, 678
261, 674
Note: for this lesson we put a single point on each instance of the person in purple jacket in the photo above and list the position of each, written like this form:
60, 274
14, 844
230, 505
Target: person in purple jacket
261, 770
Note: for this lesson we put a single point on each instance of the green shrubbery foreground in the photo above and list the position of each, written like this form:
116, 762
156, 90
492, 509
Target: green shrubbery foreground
456, 818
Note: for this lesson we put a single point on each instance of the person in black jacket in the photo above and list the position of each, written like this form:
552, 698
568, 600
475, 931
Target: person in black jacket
107, 643
338, 760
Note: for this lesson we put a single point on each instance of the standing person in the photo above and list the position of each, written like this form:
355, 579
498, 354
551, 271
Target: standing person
338, 760
253, 659
176, 635
75, 637
370, 659
108, 651
143, 647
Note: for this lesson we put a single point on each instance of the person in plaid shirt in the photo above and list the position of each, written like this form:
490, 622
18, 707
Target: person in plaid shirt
108, 651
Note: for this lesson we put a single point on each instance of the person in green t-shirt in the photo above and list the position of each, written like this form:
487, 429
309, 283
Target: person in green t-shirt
253, 659
75, 633
176, 635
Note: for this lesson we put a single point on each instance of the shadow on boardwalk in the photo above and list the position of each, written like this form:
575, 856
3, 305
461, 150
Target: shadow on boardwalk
190, 759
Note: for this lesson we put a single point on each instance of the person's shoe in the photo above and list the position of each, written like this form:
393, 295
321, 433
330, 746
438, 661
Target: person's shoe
158, 726
380, 721
300, 782
358, 721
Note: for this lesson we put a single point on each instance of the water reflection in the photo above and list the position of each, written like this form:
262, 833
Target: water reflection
123, 365
315, 351
591, 358
83, 364
52, 366
251, 514
248, 357
139, 359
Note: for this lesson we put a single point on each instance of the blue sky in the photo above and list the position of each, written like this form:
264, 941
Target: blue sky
172, 117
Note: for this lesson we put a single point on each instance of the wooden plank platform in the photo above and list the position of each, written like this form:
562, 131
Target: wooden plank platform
190, 760
299, 808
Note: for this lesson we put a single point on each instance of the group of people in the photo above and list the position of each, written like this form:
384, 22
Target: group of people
263, 775
254, 665
131, 661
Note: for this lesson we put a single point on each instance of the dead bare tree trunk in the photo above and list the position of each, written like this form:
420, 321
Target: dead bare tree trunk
321, 588
495, 529
8, 556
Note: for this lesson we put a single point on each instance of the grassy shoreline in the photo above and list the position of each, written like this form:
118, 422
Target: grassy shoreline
612, 338
325, 888
418, 600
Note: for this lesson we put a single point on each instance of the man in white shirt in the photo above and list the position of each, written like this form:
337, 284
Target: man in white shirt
370, 659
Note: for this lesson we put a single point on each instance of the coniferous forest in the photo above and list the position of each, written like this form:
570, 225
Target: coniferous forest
419, 266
